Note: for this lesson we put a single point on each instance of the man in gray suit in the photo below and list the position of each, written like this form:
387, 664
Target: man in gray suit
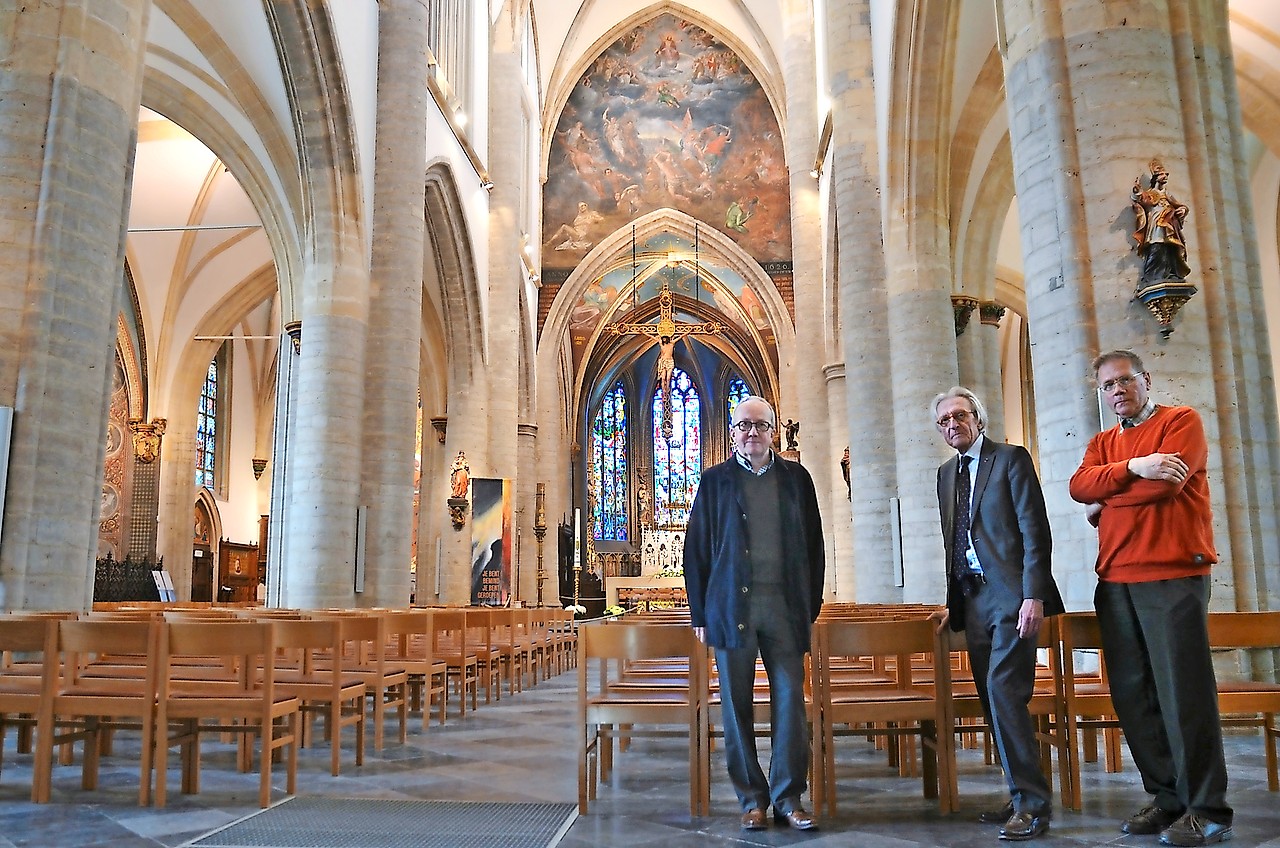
999, 589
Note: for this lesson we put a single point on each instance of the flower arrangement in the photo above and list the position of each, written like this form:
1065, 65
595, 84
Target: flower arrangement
673, 571
615, 610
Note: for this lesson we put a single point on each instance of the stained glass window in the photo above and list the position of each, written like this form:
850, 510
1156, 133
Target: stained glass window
677, 465
207, 427
738, 392
609, 466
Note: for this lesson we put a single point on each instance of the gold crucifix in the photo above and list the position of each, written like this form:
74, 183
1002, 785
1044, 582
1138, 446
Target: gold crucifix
667, 332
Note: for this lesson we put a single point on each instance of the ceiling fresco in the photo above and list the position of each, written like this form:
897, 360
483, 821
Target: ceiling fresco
666, 116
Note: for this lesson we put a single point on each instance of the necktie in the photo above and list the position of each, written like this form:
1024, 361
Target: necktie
960, 539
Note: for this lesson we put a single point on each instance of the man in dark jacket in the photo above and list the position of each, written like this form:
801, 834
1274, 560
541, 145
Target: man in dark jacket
753, 569
999, 589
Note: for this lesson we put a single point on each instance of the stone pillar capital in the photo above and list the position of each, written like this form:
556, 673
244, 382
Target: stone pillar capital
962, 306
990, 312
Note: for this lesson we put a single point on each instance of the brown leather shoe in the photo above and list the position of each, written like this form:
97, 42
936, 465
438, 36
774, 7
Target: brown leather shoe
1022, 826
754, 820
798, 818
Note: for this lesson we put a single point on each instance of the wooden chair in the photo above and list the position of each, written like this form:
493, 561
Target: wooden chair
1086, 695
606, 712
479, 642
409, 638
1247, 698
511, 638
387, 682
243, 701
915, 700
25, 696
450, 645
107, 681
315, 675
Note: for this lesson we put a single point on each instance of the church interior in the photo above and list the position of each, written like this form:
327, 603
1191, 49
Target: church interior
368, 303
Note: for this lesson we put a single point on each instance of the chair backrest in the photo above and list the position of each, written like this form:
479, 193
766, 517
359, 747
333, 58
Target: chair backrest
1244, 629
636, 641
247, 648
307, 640
27, 637
97, 642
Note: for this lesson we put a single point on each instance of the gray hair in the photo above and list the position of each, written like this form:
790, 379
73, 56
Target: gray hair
772, 418
1113, 355
979, 410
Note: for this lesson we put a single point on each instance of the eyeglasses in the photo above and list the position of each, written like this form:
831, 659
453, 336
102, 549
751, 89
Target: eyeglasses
1123, 382
959, 416
760, 426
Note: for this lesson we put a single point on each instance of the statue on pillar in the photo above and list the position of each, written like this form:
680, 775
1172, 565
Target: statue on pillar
1159, 234
460, 476
792, 430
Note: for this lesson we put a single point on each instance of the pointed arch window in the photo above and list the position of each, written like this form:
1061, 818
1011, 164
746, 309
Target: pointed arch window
677, 465
210, 424
737, 393
609, 466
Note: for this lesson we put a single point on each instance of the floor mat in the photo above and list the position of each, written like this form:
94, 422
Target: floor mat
386, 823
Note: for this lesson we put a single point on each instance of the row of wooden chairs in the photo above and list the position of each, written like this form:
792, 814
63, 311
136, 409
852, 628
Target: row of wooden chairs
885, 672
175, 674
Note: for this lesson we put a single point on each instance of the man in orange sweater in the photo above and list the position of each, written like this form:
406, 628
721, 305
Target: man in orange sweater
1147, 492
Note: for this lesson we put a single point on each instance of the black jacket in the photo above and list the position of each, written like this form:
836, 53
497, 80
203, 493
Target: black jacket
717, 573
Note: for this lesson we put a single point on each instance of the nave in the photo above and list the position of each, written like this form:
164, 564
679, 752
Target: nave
522, 748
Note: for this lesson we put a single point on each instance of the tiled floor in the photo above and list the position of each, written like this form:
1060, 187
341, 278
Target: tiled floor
523, 749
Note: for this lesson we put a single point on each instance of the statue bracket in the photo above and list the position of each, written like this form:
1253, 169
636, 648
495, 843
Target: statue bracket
1164, 299
458, 511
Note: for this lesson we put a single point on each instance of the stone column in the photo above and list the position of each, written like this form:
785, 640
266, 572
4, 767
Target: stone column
986, 378
326, 439
395, 301
69, 98
922, 346
807, 389
523, 516
507, 145
1095, 92
868, 575
287, 354
838, 518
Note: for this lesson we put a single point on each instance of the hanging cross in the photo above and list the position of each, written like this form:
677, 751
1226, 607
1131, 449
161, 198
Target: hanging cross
667, 332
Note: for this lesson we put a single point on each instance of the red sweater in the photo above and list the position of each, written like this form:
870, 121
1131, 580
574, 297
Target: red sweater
1149, 529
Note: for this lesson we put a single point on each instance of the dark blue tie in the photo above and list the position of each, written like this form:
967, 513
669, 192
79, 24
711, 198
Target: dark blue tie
960, 539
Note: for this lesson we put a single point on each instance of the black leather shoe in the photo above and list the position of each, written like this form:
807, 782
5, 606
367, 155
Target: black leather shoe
1150, 819
999, 816
754, 820
798, 819
1021, 826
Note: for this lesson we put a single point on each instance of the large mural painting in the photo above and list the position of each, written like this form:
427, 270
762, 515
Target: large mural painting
666, 116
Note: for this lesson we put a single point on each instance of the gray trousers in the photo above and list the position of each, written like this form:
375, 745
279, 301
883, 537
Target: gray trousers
769, 636
1156, 639
1004, 672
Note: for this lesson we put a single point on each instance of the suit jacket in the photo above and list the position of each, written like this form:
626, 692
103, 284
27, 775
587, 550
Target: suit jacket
1009, 527
717, 573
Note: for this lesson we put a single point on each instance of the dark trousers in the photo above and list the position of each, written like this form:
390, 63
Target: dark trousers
1156, 639
1004, 672
769, 635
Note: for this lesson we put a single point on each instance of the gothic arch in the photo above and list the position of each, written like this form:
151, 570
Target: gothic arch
449, 272
615, 250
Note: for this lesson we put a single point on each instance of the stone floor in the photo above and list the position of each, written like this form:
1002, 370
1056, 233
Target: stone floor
522, 749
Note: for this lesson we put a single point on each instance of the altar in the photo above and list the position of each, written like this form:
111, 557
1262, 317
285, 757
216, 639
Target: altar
648, 588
